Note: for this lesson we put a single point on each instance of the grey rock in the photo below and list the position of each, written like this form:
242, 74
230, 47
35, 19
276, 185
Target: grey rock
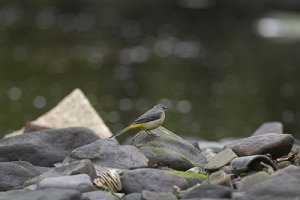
45, 147
108, 153
156, 180
165, 148
282, 185
67, 169
246, 163
270, 143
76, 167
149, 195
80, 182
193, 176
97, 195
30, 167
210, 199
221, 159
194, 181
269, 127
219, 178
46, 194
251, 180
13, 175
206, 191
133, 196
43, 169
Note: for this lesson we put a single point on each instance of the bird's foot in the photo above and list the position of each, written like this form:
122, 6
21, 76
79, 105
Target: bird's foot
153, 134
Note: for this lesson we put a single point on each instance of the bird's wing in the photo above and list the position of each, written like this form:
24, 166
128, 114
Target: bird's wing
149, 116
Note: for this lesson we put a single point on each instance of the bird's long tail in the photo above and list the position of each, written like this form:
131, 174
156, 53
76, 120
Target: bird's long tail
131, 126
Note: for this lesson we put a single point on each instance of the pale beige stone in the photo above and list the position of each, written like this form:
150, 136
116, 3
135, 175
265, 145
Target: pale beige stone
220, 160
74, 110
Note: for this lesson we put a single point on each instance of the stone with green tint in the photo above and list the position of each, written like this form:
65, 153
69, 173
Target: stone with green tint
165, 148
188, 175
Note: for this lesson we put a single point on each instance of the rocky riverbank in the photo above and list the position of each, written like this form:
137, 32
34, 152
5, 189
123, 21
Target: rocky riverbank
76, 164
64, 155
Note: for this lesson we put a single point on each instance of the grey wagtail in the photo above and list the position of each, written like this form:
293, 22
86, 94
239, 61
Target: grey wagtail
150, 120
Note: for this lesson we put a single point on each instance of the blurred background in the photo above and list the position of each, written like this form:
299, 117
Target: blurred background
224, 67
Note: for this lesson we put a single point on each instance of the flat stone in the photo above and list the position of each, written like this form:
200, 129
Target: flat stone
253, 179
149, 195
133, 196
98, 195
46, 194
76, 167
270, 143
13, 175
165, 148
66, 169
282, 185
45, 147
80, 182
269, 127
137, 180
108, 153
220, 160
206, 190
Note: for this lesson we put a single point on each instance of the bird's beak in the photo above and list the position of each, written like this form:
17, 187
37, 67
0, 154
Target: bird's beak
167, 108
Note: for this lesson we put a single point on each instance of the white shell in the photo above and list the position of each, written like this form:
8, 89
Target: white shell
109, 179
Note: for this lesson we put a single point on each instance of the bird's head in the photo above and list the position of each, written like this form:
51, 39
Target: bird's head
161, 106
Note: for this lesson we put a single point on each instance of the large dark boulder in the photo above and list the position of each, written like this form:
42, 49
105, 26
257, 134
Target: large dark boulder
165, 148
45, 147
270, 143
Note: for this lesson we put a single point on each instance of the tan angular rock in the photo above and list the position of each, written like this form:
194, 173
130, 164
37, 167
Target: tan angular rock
221, 159
74, 110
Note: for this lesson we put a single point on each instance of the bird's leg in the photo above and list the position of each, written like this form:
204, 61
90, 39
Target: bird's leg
154, 134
